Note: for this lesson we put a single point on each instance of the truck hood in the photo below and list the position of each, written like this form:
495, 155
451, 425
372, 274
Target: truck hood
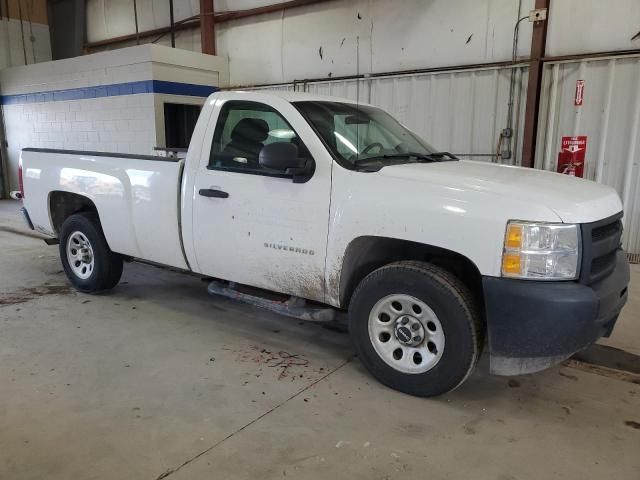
572, 199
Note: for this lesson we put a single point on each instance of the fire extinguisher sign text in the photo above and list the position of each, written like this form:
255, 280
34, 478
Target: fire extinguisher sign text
571, 156
579, 97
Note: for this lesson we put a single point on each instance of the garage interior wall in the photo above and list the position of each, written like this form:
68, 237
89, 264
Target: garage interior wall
394, 36
319, 40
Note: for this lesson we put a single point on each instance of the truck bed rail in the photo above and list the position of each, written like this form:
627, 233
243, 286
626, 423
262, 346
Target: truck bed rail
103, 154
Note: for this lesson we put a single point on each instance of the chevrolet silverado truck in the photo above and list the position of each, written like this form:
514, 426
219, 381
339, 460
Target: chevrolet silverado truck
314, 205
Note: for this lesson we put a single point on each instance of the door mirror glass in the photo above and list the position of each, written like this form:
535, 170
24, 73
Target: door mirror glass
280, 156
283, 158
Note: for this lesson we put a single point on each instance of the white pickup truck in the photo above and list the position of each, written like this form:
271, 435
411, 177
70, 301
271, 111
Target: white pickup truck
334, 206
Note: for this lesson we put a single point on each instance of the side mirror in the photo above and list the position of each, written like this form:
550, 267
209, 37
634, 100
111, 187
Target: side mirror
283, 157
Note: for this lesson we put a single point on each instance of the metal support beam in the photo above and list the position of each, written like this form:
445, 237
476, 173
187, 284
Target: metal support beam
207, 27
532, 106
187, 23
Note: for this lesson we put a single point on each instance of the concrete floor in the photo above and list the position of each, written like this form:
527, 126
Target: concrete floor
158, 380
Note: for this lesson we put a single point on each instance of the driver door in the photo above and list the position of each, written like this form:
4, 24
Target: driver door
258, 227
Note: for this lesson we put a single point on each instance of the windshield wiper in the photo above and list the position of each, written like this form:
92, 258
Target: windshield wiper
426, 157
441, 155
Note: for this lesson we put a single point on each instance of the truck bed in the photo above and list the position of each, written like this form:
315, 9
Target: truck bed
137, 197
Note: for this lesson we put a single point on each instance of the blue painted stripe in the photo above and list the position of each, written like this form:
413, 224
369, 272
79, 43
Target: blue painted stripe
113, 90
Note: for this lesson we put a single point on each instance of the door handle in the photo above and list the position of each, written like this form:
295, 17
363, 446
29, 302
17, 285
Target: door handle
210, 192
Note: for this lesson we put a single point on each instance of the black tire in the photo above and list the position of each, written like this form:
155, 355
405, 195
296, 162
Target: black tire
456, 310
106, 269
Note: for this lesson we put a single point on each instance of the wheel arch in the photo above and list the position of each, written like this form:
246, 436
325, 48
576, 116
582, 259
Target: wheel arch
368, 253
64, 204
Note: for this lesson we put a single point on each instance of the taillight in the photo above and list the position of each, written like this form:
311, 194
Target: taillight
20, 181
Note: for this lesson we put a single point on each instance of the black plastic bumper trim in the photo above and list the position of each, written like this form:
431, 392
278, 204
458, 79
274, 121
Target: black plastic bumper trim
528, 319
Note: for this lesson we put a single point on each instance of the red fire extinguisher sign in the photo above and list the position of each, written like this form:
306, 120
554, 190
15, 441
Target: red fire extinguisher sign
579, 97
572, 154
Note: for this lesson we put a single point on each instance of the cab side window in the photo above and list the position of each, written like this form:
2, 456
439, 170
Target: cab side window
243, 128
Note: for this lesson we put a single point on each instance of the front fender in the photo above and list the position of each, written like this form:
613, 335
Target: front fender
469, 222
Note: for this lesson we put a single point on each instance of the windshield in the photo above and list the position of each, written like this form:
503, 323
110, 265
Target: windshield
354, 133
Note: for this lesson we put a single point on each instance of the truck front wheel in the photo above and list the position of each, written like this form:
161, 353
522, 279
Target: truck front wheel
88, 261
416, 328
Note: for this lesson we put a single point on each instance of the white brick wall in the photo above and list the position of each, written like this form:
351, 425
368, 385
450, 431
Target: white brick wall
119, 124
124, 124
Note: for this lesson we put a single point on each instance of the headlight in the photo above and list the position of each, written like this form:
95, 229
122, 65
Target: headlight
541, 251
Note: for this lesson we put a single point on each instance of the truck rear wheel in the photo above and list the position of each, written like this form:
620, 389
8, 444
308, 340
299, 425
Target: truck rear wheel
88, 261
416, 328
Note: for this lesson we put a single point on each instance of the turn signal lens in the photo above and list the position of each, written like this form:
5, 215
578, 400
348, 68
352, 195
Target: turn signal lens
541, 251
511, 264
514, 236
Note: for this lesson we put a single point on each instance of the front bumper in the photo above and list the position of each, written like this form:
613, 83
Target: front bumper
533, 325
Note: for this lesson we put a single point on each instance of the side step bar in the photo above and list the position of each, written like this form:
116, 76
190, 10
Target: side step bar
293, 307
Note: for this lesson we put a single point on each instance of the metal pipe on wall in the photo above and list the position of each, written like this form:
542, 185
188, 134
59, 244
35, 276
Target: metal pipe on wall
172, 25
24, 46
135, 18
451, 68
504, 150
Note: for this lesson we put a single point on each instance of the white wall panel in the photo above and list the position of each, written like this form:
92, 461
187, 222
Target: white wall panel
417, 33
609, 116
112, 18
393, 36
14, 45
589, 26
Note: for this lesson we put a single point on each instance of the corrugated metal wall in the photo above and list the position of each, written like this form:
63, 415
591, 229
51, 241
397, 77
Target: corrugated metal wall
459, 111
609, 117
